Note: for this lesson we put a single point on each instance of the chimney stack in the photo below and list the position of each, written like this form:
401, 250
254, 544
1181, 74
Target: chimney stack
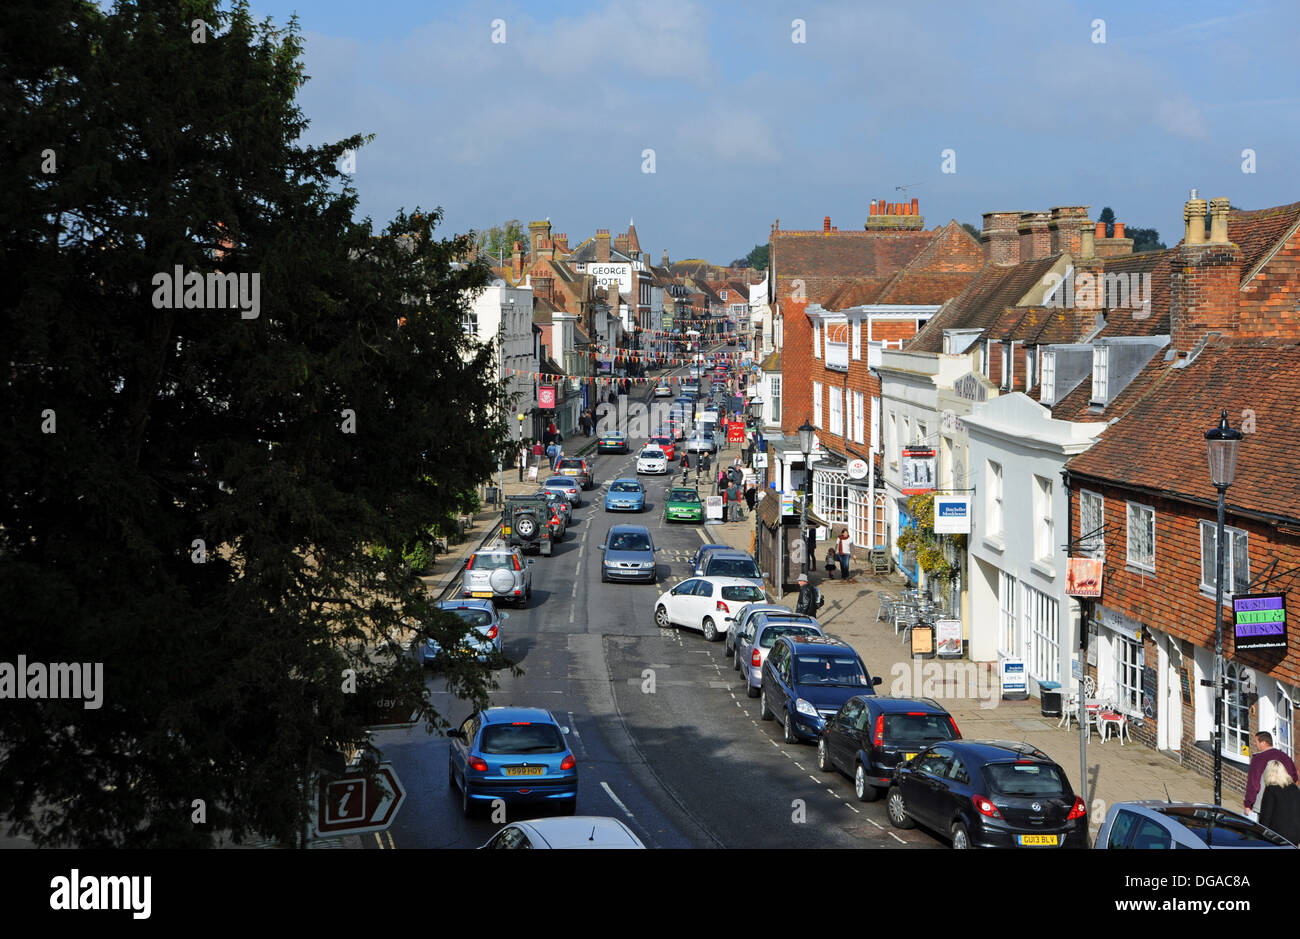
1205, 279
517, 262
1194, 220
536, 232
1115, 246
1063, 229
602, 245
826, 225
1035, 237
1087, 240
999, 238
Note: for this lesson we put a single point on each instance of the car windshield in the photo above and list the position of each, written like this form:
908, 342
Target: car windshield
630, 541
475, 617
684, 495
733, 567
1026, 779
615, 436
811, 669
772, 633
652, 454
1219, 829
564, 482
521, 738
492, 562
917, 728
743, 594
570, 464
625, 487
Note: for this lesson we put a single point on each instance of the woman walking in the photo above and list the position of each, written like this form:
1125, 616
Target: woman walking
1279, 804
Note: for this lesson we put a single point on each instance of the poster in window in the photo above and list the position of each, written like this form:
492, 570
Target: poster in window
918, 471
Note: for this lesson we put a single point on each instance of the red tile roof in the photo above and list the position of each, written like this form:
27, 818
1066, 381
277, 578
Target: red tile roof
1257, 232
988, 295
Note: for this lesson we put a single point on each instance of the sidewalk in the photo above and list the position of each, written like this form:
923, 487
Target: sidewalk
971, 693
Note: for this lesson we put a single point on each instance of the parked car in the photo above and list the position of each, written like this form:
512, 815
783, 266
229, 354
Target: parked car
692, 386
1151, 824
731, 562
742, 615
514, 754
702, 551
872, 734
760, 633
560, 503
705, 604
625, 495
628, 553
526, 523
700, 442
665, 443
989, 794
663, 390
498, 573
580, 831
566, 486
682, 504
613, 442
482, 636
652, 461
577, 468
806, 680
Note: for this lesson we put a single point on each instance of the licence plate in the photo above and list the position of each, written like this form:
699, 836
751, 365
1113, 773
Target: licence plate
908, 756
525, 771
481, 593
1037, 839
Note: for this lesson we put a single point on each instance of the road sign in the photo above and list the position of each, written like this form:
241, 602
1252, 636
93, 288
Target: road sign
353, 805
385, 712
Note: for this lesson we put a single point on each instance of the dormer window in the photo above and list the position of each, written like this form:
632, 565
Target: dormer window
1100, 374
1047, 386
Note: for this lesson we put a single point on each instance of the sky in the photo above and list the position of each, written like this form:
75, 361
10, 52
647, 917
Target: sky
973, 107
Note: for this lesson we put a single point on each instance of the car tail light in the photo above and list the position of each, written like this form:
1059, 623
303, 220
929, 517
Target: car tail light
478, 764
492, 633
1078, 810
985, 807
515, 560
955, 729
569, 762
878, 736
469, 565
521, 723
723, 607
756, 659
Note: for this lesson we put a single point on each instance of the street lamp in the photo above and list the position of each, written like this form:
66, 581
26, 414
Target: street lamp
806, 431
1221, 445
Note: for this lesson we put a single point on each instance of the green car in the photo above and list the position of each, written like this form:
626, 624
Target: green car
683, 505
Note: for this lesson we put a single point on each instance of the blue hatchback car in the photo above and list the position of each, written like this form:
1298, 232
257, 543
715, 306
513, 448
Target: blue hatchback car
625, 495
517, 755
807, 679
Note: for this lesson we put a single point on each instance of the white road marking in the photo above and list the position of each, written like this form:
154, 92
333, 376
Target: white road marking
617, 801
832, 792
896, 838
574, 591
876, 823
572, 611
852, 809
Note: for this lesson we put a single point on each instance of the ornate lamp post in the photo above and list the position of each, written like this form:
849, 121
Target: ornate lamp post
1221, 445
806, 432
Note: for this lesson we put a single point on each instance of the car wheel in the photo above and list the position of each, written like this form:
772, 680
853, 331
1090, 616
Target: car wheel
710, 630
661, 617
788, 729
898, 816
960, 837
750, 690
863, 789
604, 578
824, 756
764, 712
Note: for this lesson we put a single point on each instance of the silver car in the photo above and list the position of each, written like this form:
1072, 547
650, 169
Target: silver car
761, 632
567, 486
483, 638
629, 554
729, 562
742, 617
699, 442
1154, 824
500, 574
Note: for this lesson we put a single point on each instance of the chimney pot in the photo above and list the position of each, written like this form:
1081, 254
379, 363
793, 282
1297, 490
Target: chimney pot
826, 224
1194, 221
1101, 230
916, 206
873, 207
1219, 221
1087, 241
1119, 229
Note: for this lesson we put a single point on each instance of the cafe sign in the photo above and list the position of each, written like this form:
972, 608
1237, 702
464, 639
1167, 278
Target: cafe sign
1259, 621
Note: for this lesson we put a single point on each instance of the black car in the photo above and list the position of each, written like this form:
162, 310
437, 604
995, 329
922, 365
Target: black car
989, 794
871, 735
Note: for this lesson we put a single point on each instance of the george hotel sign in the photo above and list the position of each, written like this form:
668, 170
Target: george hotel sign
607, 274
970, 387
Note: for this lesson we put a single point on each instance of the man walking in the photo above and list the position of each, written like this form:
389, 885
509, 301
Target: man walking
552, 453
686, 467
751, 496
1260, 755
810, 599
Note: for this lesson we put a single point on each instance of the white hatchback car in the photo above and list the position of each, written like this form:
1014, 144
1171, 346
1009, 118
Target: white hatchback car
579, 831
652, 460
706, 604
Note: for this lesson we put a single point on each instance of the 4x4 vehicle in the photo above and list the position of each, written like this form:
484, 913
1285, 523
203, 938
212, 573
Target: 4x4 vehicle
807, 679
526, 523
500, 574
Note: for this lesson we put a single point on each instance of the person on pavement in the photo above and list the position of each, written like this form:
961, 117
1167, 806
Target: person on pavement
810, 599
686, 466
751, 496
1262, 752
842, 548
1279, 805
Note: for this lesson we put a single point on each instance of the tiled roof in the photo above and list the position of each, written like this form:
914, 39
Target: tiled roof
989, 293
1129, 321
1077, 404
772, 363
911, 287
586, 253
1160, 443
1256, 232
844, 255
863, 290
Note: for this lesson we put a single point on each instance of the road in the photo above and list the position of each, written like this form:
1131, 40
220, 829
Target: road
687, 763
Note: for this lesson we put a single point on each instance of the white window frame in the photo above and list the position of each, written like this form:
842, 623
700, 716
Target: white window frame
891, 439
1031, 366
1094, 547
1044, 524
1008, 365
859, 417
855, 330
836, 402
1284, 717
1236, 717
993, 508
831, 495
774, 394
1239, 554
1042, 629
1141, 562
1047, 379
1008, 626
882, 503
860, 515
817, 405
817, 332
1128, 661
1100, 374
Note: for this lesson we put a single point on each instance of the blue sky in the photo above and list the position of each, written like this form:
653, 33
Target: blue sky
748, 126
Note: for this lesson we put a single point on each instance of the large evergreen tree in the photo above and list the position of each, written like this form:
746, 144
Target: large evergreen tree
192, 496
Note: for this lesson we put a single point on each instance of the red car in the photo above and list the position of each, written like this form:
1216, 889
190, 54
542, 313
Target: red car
666, 444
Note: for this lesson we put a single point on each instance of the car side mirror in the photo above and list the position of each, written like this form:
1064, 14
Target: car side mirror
767, 575
875, 680
504, 616
600, 547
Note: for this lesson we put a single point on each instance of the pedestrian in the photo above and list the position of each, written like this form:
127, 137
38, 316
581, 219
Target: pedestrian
1279, 805
737, 506
842, 547
686, 466
522, 458
751, 496
1262, 752
537, 452
830, 562
705, 462
810, 599
553, 454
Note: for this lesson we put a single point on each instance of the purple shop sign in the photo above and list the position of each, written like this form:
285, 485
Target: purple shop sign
1259, 621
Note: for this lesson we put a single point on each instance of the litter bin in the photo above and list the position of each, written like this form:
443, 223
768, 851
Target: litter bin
491, 495
1051, 698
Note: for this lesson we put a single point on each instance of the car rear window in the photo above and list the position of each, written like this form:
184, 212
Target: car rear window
492, 562
746, 594
812, 669
1224, 831
564, 481
917, 728
1025, 779
772, 633
568, 463
522, 738
625, 487
732, 567
475, 617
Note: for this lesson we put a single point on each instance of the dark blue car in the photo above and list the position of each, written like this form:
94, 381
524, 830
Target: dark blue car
807, 679
517, 755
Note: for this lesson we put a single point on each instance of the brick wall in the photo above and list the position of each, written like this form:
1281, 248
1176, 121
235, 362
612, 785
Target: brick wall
1204, 293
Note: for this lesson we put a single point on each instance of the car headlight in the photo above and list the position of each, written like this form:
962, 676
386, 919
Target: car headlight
803, 707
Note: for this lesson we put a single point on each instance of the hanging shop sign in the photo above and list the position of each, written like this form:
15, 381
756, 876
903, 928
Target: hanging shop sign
1259, 621
918, 470
952, 515
1083, 577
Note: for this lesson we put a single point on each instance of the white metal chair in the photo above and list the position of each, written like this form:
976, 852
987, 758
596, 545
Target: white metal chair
1071, 711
